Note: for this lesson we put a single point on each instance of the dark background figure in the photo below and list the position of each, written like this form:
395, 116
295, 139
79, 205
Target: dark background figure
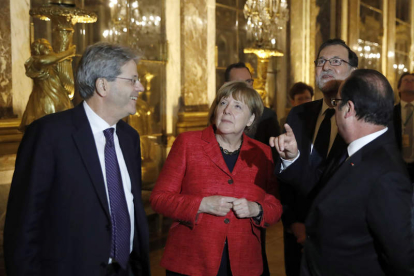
318, 140
266, 127
218, 186
299, 93
75, 204
404, 121
360, 221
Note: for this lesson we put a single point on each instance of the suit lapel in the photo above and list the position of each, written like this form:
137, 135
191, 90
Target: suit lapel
309, 116
85, 143
352, 164
212, 150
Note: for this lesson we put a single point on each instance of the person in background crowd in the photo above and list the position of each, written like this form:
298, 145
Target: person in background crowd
404, 121
299, 93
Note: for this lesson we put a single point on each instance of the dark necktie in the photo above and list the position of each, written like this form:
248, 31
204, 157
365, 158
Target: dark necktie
321, 145
121, 225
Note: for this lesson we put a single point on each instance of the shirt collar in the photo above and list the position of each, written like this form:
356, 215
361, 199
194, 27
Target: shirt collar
403, 104
98, 124
361, 142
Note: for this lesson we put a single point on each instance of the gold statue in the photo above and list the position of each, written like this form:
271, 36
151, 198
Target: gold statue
48, 94
63, 15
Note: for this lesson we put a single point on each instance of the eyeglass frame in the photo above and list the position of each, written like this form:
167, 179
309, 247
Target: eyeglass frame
330, 63
133, 81
334, 102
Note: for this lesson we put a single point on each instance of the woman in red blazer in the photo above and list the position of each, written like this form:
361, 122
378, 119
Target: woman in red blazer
218, 186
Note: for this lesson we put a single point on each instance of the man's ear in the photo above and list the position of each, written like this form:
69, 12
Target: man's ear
350, 109
101, 86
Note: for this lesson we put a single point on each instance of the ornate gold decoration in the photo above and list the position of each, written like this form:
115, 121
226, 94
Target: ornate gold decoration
142, 121
63, 18
263, 56
48, 94
264, 18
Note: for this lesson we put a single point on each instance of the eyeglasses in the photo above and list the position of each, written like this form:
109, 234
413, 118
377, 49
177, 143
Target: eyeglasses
333, 62
133, 80
334, 102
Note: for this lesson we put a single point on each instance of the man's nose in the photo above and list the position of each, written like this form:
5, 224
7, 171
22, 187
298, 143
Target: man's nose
139, 87
327, 65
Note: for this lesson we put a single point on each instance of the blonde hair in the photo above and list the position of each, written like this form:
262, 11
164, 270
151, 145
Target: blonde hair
240, 91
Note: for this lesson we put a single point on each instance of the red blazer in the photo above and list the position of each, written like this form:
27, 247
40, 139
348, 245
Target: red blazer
194, 169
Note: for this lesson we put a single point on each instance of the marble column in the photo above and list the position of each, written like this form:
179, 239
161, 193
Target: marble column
6, 103
388, 42
197, 63
302, 41
20, 41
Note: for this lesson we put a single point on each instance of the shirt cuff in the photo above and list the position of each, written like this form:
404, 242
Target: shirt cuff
286, 163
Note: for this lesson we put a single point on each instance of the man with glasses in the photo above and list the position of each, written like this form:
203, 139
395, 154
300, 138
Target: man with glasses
404, 121
360, 221
75, 200
314, 126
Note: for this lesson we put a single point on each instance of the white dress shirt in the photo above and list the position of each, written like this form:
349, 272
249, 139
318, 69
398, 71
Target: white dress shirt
98, 125
359, 143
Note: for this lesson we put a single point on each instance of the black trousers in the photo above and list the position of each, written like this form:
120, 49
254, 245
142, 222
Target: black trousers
293, 254
114, 269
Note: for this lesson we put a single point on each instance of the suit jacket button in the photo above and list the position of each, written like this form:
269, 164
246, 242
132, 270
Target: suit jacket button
230, 181
226, 221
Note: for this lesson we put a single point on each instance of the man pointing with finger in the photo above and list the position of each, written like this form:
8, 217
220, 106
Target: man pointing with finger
359, 222
314, 126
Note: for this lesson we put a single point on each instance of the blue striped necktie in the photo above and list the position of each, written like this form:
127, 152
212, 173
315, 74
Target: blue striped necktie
121, 225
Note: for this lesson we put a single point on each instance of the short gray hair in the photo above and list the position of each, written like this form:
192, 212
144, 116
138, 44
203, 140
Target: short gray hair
101, 60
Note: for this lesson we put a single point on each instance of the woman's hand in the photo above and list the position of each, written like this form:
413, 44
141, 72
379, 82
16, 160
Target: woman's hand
245, 209
216, 205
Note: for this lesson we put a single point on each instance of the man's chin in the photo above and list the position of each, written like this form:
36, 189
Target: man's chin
330, 86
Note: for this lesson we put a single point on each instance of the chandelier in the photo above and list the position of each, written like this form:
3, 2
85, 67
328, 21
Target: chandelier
264, 19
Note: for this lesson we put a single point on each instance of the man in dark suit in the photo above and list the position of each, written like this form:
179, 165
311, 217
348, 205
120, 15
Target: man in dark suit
360, 221
75, 200
404, 121
266, 127
314, 126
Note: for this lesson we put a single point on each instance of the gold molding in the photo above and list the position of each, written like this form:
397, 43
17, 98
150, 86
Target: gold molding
263, 53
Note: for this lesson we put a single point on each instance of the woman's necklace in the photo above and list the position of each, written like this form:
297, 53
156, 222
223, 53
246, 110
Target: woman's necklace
232, 152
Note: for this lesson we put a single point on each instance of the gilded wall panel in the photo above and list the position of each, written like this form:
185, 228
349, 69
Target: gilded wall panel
194, 57
6, 105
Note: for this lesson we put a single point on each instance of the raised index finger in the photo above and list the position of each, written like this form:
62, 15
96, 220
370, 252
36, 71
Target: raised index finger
289, 131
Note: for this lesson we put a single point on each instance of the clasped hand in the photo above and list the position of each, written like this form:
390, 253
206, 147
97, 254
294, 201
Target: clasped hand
221, 205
